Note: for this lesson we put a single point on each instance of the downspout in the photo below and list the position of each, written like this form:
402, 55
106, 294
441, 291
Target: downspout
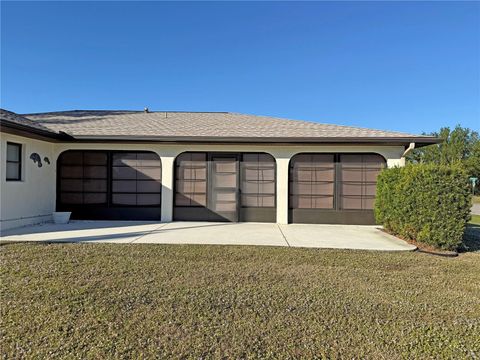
409, 149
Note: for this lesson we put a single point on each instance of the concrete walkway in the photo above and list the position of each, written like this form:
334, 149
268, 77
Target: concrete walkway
476, 209
295, 235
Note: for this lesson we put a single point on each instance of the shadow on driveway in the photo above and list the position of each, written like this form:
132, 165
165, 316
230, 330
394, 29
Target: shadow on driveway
85, 231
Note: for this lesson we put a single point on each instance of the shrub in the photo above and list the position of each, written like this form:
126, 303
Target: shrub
427, 203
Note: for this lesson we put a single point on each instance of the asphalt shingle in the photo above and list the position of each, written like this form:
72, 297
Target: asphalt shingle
15, 118
82, 123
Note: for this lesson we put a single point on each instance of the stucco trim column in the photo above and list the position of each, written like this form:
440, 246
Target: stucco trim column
282, 189
168, 178
396, 162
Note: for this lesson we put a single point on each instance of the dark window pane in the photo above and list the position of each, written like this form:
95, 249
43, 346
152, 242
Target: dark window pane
13, 171
124, 186
249, 200
312, 179
79, 172
352, 188
322, 202
352, 202
266, 201
71, 185
95, 172
95, 198
71, 172
71, 198
225, 180
124, 173
95, 185
150, 186
139, 175
124, 199
13, 152
199, 199
182, 199
191, 179
368, 203
71, 158
95, 158
358, 173
257, 172
14, 161
148, 199
84, 174
148, 173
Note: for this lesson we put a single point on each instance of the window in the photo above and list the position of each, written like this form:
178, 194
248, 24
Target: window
136, 179
312, 181
334, 181
191, 179
83, 178
258, 180
14, 162
358, 180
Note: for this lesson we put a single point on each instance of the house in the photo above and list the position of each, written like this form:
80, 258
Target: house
191, 166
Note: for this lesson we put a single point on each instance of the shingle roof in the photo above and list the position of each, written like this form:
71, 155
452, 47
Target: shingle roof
13, 118
81, 124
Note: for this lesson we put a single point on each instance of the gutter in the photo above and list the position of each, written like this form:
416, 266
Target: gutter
421, 141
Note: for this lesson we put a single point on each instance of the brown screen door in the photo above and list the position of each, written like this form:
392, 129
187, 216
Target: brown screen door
224, 187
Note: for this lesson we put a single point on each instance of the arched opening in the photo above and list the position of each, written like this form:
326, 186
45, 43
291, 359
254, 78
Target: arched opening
109, 185
333, 188
218, 186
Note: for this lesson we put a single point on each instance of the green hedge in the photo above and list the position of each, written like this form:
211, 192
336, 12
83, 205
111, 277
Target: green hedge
428, 203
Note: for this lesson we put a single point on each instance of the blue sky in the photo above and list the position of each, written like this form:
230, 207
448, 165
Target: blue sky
407, 66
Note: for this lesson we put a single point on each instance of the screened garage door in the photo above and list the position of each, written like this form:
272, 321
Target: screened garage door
333, 188
110, 185
225, 187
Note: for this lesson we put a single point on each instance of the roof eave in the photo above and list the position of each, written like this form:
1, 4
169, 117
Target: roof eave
29, 131
419, 141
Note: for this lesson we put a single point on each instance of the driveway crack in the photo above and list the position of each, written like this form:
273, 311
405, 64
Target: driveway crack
149, 232
284, 237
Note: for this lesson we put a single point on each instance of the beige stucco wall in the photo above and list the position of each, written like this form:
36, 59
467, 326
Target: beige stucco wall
27, 201
31, 200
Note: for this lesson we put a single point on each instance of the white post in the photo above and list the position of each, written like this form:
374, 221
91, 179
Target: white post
167, 187
282, 189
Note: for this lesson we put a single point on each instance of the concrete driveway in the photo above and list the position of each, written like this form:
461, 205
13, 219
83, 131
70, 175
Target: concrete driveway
294, 235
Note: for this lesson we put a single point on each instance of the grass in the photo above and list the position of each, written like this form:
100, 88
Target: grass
476, 199
145, 301
475, 219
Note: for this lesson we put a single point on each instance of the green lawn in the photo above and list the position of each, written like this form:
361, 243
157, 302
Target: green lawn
475, 219
143, 301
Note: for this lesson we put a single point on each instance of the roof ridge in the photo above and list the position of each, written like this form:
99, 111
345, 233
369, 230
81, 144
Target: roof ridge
129, 111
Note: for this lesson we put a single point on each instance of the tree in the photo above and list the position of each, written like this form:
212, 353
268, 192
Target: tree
460, 145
